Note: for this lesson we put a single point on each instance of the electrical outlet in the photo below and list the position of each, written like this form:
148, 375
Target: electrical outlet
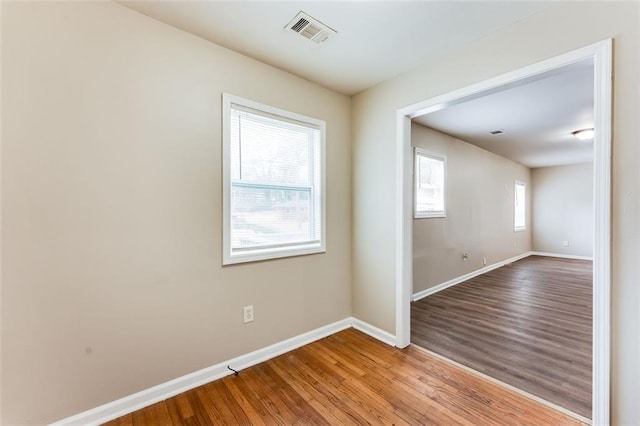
565, 243
484, 261
465, 255
248, 314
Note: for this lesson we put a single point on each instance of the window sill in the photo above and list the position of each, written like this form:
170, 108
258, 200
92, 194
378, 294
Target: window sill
519, 229
429, 216
269, 254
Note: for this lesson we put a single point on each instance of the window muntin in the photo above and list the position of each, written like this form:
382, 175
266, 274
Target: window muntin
519, 221
429, 184
273, 186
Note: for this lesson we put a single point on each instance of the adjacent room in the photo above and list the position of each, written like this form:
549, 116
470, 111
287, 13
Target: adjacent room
204, 208
503, 235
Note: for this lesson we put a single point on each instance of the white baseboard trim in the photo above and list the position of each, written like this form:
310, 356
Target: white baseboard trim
424, 293
373, 331
564, 256
136, 401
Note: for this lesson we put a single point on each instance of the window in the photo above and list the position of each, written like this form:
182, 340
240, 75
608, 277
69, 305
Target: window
429, 184
519, 207
273, 177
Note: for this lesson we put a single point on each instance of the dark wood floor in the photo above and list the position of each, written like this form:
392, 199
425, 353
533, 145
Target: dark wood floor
527, 324
349, 378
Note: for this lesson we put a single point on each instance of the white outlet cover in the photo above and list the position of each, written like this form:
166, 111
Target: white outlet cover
247, 313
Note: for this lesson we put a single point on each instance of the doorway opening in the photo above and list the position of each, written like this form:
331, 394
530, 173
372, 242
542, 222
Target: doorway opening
601, 56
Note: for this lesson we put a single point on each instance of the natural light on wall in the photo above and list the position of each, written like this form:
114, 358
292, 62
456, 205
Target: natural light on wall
519, 207
429, 184
273, 183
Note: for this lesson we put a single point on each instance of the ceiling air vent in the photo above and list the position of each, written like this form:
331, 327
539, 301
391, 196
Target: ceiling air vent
497, 132
311, 28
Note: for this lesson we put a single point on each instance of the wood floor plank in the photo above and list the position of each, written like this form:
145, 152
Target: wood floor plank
126, 420
527, 324
236, 393
350, 378
216, 403
319, 391
174, 412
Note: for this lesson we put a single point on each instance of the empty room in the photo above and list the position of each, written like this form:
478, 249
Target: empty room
207, 214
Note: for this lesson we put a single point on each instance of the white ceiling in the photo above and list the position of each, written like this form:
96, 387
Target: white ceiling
537, 117
376, 40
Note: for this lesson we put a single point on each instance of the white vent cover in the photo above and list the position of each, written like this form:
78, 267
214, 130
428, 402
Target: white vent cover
310, 28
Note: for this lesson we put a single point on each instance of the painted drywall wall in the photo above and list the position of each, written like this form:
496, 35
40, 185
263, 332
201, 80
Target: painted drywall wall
558, 29
562, 209
1, 32
480, 209
111, 209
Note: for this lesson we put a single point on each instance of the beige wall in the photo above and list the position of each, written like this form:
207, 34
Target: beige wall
556, 30
562, 209
1, 120
111, 215
480, 209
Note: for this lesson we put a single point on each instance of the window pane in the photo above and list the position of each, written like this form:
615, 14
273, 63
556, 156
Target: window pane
271, 151
519, 221
429, 184
268, 216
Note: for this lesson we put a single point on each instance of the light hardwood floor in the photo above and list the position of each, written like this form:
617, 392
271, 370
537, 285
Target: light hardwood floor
527, 324
349, 378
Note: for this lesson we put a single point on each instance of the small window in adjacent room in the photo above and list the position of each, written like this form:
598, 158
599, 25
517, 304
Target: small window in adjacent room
519, 207
429, 184
273, 182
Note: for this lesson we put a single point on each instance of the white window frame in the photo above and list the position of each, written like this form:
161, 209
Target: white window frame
251, 255
515, 191
422, 214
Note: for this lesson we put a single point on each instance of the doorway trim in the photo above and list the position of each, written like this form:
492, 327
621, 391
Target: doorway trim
602, 55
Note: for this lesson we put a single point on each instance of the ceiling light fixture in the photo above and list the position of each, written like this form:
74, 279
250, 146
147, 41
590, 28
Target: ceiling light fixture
584, 134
